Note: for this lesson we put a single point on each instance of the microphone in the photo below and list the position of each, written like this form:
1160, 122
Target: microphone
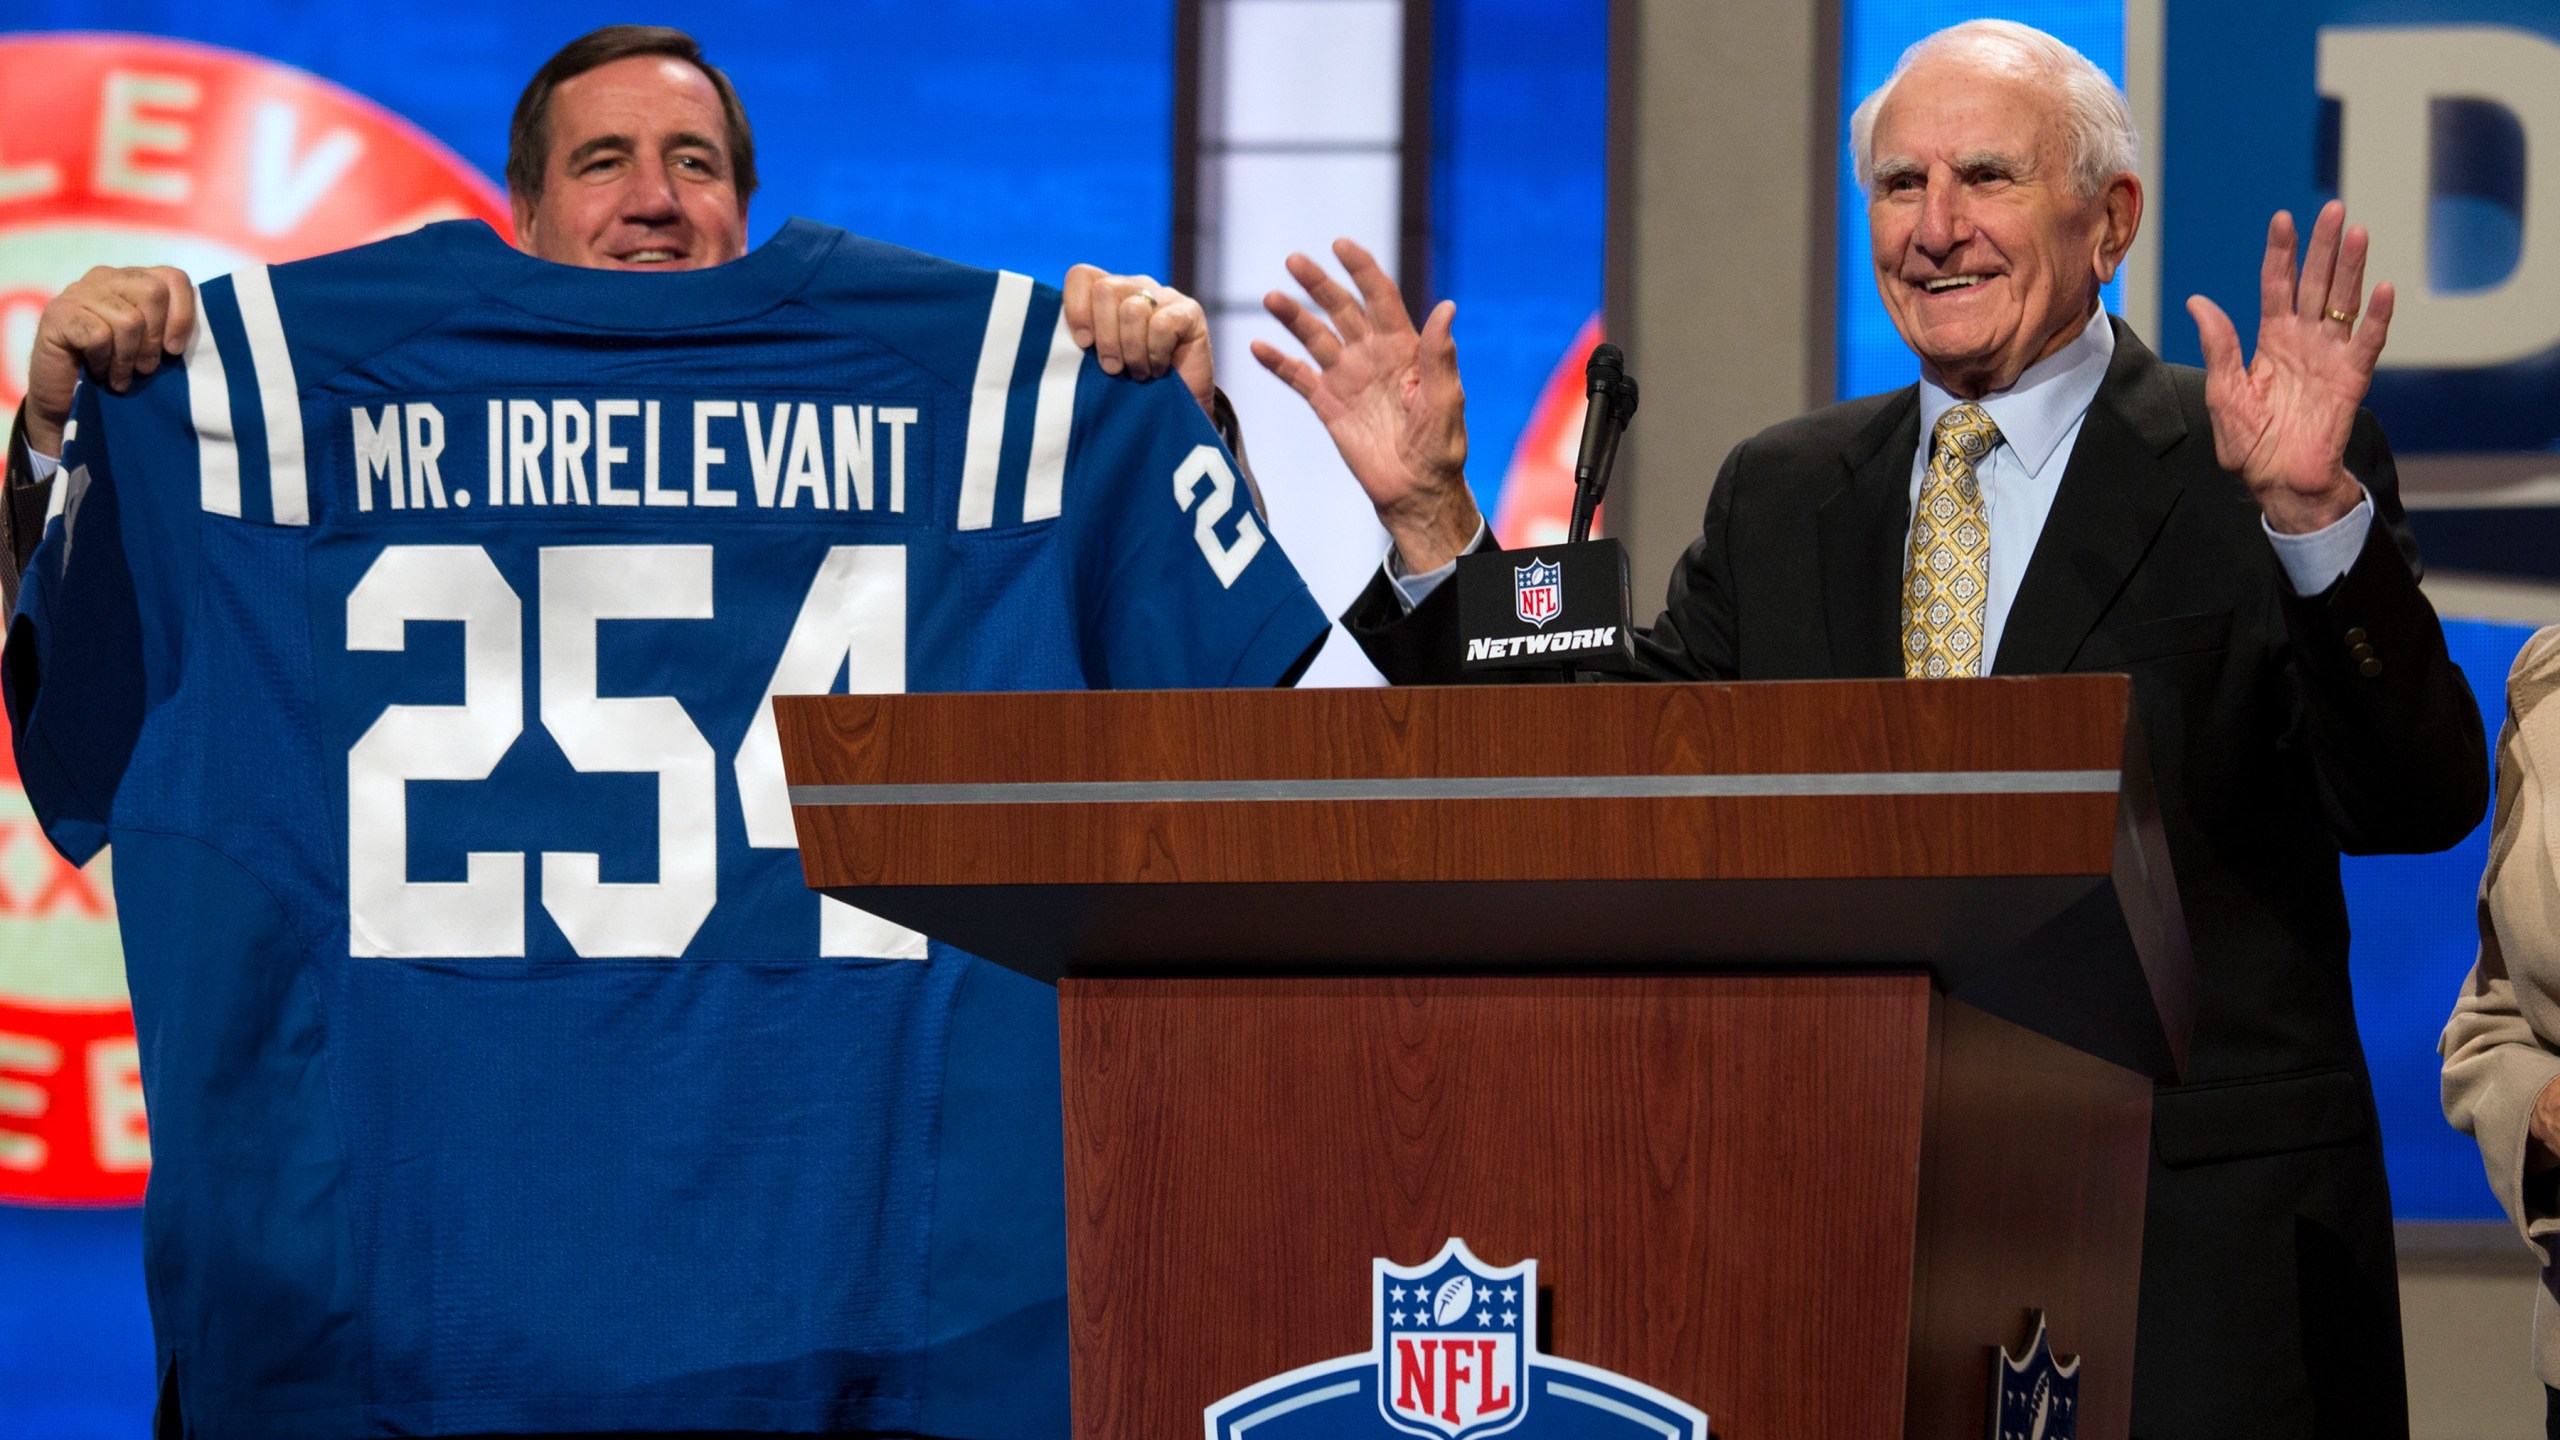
1609, 400
1561, 609
1600, 375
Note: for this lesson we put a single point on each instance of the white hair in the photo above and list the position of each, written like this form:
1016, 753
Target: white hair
2096, 123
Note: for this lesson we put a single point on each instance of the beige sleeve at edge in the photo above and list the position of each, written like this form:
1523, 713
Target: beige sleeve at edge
2495, 1064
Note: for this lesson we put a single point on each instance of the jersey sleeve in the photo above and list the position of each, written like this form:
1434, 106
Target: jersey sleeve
72, 667
1195, 590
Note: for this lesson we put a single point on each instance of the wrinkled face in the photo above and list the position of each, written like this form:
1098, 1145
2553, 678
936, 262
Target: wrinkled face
1987, 259
638, 177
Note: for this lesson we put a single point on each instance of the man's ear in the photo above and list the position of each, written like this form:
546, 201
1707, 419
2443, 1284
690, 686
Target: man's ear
2121, 202
521, 206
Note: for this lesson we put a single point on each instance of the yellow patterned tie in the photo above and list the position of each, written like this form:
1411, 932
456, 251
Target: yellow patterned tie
1948, 579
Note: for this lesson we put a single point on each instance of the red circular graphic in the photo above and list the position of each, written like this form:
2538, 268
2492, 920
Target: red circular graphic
131, 150
1536, 507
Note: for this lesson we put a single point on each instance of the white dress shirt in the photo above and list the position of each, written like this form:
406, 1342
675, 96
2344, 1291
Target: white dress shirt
2039, 419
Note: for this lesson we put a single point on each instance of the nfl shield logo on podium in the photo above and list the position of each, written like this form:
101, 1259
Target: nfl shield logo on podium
1453, 1355
1538, 591
2036, 1396
1450, 1362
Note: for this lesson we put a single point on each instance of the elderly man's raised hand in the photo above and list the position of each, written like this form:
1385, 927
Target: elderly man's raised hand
2280, 421
1136, 326
117, 323
1388, 395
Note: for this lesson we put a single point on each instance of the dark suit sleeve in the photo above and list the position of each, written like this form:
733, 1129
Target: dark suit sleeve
1420, 648
1223, 419
1691, 640
1693, 637
22, 507
2391, 726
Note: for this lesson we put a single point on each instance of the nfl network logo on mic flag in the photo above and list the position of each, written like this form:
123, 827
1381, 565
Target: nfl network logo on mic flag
1454, 1356
1538, 591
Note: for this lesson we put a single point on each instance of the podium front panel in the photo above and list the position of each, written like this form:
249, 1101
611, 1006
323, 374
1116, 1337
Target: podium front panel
1724, 1181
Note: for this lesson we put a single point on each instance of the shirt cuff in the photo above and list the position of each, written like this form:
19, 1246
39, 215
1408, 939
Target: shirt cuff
43, 467
2314, 562
1412, 590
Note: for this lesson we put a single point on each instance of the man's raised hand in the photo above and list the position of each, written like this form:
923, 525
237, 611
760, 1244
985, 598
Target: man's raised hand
1133, 324
1388, 395
114, 323
2280, 421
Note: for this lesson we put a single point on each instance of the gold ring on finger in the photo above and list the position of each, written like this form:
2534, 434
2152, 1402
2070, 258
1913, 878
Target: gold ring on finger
2343, 318
1150, 297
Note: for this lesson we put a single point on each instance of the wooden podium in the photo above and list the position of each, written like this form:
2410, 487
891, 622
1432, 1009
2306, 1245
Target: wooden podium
1803, 1033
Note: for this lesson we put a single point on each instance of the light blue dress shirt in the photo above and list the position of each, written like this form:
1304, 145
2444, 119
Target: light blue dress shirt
2039, 419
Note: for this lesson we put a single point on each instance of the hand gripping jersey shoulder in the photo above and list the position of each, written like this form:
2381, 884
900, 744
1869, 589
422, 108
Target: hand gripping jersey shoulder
413, 642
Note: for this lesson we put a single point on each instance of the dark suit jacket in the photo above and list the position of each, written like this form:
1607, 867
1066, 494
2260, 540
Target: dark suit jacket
2283, 730
22, 507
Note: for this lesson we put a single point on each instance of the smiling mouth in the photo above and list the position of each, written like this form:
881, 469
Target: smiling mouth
1946, 283
652, 256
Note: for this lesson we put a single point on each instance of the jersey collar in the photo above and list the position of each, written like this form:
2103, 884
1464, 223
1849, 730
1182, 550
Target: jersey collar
622, 300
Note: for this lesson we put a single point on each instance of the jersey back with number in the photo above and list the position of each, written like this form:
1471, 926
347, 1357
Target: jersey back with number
411, 641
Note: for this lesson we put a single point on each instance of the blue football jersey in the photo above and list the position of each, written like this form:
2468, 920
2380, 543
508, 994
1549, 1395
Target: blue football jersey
412, 643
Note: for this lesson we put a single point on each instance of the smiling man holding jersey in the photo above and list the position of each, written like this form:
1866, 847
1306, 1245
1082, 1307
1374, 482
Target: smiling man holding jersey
410, 635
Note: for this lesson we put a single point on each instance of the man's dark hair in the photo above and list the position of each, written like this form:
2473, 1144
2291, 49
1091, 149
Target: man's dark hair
529, 136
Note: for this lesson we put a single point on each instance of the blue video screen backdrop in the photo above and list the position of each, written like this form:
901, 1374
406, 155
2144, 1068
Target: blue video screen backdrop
1029, 134
2415, 937
1519, 155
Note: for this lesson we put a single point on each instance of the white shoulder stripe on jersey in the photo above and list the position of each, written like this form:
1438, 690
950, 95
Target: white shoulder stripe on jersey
279, 398
68, 492
209, 407
987, 399
1052, 422
54, 503
58, 503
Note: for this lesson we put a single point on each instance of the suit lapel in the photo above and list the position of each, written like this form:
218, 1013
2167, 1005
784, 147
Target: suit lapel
2114, 496
1862, 528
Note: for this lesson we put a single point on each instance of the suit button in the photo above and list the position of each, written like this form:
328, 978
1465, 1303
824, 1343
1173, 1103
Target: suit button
2369, 667
2356, 635
2361, 652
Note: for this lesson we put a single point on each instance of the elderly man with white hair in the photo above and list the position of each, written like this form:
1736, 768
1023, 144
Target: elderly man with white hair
2232, 537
